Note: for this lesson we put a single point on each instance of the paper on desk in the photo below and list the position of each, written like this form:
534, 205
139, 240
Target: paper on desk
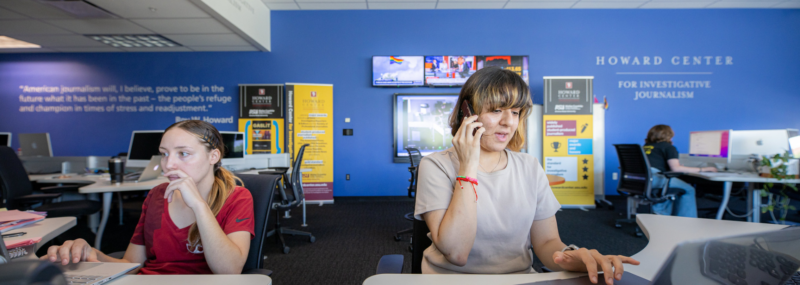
16, 215
18, 224
23, 242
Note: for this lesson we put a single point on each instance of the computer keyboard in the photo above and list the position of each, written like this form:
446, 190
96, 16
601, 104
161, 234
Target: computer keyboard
735, 264
84, 279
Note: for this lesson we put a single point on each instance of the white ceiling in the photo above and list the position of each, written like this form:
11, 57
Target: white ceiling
188, 25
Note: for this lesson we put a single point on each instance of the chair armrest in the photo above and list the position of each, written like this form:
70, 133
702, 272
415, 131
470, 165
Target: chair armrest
36, 198
272, 172
60, 189
259, 271
392, 263
671, 174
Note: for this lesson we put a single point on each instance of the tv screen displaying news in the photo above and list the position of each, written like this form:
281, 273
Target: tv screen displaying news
422, 121
398, 71
449, 70
515, 63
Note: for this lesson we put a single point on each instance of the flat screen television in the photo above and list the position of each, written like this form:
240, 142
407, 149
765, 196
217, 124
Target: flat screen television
449, 70
398, 71
515, 63
422, 121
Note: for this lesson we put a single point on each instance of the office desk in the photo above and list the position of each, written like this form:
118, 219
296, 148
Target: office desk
99, 184
753, 195
663, 232
192, 279
47, 229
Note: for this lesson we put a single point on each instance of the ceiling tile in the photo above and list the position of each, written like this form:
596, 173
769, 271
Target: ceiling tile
100, 26
8, 15
151, 8
276, 1
402, 1
283, 6
607, 5
470, 5
208, 40
25, 50
164, 49
402, 6
88, 49
225, 48
333, 6
744, 4
788, 4
35, 9
30, 27
183, 26
61, 41
539, 5
675, 5
465, 1
331, 1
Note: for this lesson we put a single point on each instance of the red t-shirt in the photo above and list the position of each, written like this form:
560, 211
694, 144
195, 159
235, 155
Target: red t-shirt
171, 254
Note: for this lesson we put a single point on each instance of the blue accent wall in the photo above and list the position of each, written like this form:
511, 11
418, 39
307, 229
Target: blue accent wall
758, 91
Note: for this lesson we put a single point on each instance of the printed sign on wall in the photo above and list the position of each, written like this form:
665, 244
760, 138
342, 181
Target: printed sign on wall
310, 121
568, 136
263, 136
260, 101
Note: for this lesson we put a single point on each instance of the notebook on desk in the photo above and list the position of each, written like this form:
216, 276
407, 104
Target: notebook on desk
767, 258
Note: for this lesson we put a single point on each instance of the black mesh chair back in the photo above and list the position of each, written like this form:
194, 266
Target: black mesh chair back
635, 173
297, 177
414, 157
420, 242
262, 187
13, 178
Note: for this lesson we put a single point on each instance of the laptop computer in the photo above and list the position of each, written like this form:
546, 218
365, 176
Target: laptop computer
150, 172
766, 258
94, 273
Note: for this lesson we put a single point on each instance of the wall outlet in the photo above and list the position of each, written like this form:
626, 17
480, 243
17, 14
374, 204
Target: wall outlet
614, 176
347, 177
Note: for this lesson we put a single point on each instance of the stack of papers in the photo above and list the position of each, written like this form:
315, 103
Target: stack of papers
14, 219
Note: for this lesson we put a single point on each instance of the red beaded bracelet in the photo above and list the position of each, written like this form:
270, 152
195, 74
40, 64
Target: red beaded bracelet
472, 181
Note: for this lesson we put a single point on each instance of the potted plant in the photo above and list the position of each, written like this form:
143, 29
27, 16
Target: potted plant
778, 167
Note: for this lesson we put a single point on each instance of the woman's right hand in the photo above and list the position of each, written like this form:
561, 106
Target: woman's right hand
467, 145
71, 251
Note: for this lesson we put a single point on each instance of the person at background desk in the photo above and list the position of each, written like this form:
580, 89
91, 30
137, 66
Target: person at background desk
486, 205
201, 205
663, 157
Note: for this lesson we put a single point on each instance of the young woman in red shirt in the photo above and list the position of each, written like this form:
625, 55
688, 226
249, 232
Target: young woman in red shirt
198, 223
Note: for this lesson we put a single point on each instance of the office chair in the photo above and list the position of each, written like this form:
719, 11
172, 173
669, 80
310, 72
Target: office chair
636, 180
288, 200
414, 157
18, 191
262, 187
393, 263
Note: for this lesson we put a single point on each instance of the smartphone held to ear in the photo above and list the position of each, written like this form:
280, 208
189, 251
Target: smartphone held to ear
467, 111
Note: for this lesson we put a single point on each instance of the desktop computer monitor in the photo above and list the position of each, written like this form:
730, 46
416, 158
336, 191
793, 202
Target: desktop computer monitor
234, 148
710, 146
5, 139
144, 145
761, 142
794, 146
35, 144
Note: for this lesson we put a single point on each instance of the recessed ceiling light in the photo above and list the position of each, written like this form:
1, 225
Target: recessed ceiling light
140, 41
6, 42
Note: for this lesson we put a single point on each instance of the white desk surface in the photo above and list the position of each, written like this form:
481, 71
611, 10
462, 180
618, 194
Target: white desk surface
248, 279
663, 232
47, 229
739, 177
98, 183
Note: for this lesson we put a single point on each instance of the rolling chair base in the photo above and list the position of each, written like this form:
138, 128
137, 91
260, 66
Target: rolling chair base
287, 231
618, 223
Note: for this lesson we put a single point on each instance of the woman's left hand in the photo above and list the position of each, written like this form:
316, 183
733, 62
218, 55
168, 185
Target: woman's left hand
590, 260
188, 188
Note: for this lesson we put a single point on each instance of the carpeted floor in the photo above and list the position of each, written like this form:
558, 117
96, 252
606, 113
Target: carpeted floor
352, 235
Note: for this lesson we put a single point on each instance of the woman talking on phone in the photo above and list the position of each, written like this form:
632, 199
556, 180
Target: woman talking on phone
486, 203
198, 223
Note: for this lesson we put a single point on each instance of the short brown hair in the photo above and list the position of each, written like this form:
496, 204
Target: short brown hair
495, 88
659, 133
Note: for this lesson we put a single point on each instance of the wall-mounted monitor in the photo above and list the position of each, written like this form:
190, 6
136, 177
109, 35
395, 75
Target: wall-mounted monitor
422, 121
5, 139
398, 71
144, 145
515, 63
449, 70
234, 147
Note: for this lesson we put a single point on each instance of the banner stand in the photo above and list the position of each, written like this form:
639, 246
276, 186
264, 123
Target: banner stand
309, 120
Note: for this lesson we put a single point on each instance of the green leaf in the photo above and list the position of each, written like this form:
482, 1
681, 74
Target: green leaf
771, 208
792, 208
763, 210
764, 193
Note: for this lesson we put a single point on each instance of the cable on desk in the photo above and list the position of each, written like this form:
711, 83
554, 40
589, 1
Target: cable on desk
728, 209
